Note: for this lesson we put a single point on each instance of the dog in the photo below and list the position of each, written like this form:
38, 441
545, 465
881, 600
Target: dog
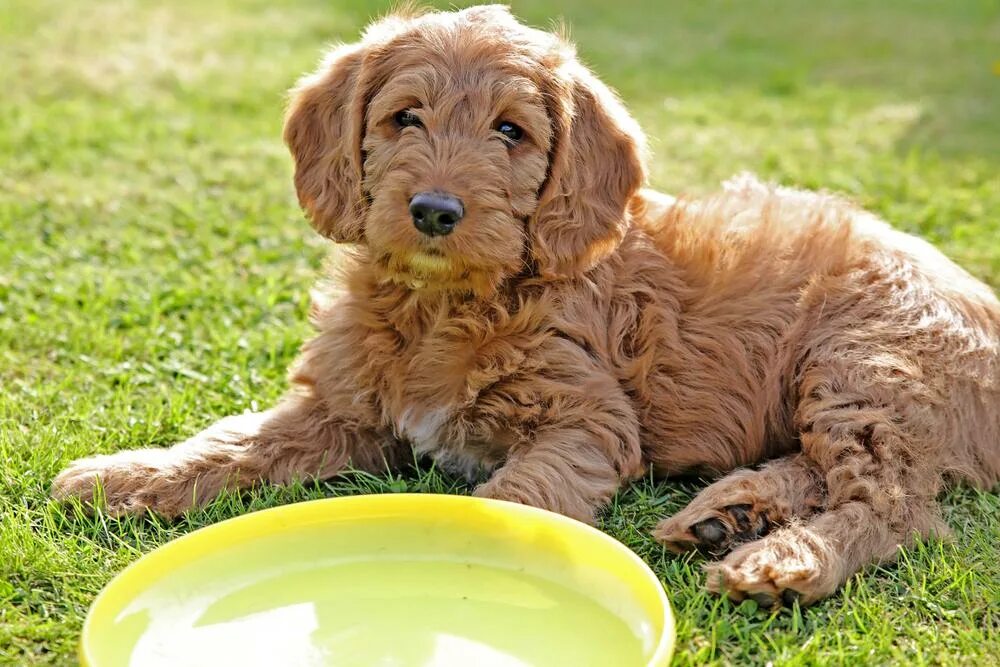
516, 306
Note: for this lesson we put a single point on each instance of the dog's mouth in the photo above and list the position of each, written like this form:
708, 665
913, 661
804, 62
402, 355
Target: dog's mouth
430, 263
431, 270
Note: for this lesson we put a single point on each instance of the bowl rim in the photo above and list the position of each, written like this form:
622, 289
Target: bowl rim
660, 657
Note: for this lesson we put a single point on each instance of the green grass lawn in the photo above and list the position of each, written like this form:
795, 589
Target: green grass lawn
154, 268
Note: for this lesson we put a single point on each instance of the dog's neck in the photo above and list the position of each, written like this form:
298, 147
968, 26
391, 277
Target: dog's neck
412, 309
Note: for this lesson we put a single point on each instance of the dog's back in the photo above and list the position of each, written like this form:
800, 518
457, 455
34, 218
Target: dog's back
818, 272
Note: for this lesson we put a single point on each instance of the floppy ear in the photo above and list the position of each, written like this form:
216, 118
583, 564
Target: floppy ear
595, 167
323, 128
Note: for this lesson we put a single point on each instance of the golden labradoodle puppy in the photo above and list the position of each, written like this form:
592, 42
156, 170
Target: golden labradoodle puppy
515, 305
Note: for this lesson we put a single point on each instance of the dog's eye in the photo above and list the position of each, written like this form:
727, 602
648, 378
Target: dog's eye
512, 132
406, 118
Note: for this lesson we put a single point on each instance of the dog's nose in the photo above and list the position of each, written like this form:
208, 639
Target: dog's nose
435, 213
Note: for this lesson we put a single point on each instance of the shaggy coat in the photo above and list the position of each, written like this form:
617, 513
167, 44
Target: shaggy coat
573, 332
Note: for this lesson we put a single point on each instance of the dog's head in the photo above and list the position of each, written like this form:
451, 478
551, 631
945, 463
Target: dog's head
463, 148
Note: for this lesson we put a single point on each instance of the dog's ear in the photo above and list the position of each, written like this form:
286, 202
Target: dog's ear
323, 130
595, 167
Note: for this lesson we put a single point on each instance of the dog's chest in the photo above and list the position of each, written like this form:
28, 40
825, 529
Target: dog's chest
431, 390
428, 433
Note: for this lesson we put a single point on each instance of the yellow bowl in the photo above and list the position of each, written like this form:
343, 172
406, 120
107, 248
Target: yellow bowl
385, 580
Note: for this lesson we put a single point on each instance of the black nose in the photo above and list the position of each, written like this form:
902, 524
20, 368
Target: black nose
435, 213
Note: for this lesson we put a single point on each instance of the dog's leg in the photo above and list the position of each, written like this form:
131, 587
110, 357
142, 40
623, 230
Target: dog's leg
584, 448
870, 425
567, 471
809, 561
744, 506
300, 438
564, 472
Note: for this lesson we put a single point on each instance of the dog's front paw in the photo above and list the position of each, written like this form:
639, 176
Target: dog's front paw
122, 483
518, 491
788, 566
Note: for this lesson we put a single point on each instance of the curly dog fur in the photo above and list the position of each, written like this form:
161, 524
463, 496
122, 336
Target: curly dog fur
576, 331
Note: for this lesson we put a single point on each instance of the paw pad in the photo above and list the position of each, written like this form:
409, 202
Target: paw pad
710, 532
716, 536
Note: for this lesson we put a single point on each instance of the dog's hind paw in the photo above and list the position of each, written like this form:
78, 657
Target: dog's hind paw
744, 506
789, 566
713, 532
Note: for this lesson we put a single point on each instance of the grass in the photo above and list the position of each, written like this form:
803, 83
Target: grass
154, 268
